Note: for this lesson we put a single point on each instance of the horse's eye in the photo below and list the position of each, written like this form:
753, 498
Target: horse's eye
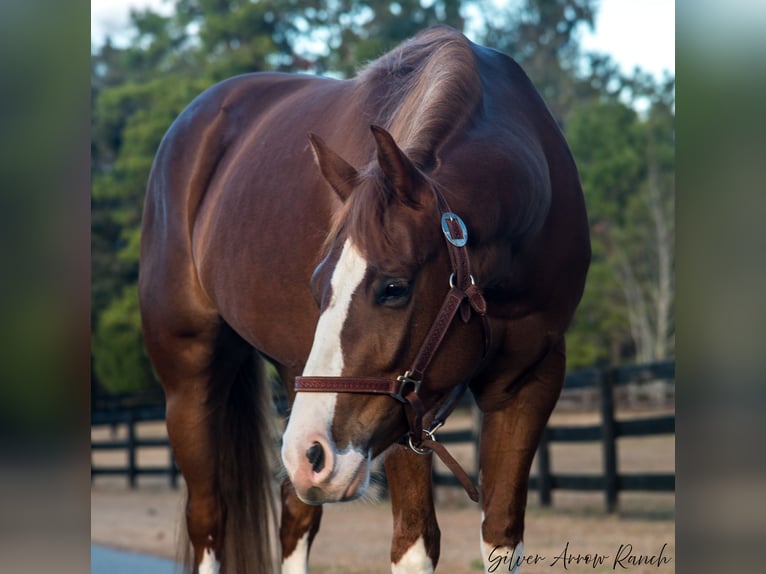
394, 293
395, 290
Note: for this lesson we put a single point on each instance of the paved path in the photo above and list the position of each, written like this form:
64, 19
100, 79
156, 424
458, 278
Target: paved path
105, 560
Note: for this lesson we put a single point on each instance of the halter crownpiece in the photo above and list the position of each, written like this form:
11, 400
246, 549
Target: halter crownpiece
464, 296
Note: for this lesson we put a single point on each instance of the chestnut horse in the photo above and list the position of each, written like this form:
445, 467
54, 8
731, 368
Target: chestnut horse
402, 235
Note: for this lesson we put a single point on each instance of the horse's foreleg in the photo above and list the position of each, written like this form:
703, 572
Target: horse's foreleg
299, 522
509, 439
298, 527
415, 544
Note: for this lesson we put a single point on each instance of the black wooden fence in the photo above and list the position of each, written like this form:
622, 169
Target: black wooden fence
607, 433
130, 417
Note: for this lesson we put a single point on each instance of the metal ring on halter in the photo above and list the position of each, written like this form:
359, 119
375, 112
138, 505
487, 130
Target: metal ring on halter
430, 434
452, 280
417, 450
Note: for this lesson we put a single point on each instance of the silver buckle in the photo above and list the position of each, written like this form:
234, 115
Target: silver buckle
404, 380
456, 241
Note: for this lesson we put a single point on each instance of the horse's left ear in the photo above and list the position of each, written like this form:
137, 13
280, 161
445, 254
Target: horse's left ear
341, 176
397, 167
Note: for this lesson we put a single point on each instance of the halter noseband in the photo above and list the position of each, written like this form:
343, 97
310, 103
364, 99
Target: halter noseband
463, 296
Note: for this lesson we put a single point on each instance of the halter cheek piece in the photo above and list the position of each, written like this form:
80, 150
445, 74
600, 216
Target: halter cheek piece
464, 296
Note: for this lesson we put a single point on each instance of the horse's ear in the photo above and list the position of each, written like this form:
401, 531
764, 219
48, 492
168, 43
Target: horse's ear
403, 175
341, 176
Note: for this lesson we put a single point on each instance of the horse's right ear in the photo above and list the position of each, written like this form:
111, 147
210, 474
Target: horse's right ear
341, 176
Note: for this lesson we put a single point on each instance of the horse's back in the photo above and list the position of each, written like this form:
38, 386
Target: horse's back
211, 128
234, 215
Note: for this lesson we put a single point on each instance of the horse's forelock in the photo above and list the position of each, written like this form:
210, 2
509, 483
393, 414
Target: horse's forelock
361, 218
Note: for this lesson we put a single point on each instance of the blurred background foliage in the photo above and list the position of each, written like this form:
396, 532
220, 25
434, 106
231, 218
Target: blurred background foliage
621, 129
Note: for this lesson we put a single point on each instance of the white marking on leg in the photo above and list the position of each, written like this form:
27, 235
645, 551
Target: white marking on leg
414, 561
312, 413
298, 561
498, 559
209, 564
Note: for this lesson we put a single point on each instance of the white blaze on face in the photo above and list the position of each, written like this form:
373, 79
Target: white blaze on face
312, 413
326, 357
414, 561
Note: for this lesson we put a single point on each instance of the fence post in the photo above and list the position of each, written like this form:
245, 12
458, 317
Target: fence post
173, 469
606, 381
132, 471
476, 422
545, 483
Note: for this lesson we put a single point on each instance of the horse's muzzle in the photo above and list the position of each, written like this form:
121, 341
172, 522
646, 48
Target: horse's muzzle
321, 474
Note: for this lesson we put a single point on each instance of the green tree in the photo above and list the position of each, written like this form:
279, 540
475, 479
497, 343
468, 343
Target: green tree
119, 360
137, 92
117, 200
233, 37
347, 34
626, 163
543, 36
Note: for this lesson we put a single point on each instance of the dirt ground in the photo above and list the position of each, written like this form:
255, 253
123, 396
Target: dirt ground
355, 537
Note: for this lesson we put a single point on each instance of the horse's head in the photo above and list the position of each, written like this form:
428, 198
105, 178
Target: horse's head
379, 288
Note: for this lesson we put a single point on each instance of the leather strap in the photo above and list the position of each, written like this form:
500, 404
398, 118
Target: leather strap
454, 466
429, 443
366, 385
437, 332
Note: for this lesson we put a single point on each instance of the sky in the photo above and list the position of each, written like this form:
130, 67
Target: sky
634, 32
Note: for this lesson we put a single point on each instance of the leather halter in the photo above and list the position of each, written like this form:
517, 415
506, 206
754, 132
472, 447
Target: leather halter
464, 296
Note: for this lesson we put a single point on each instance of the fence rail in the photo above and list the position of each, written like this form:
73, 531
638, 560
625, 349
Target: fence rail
609, 481
130, 417
545, 482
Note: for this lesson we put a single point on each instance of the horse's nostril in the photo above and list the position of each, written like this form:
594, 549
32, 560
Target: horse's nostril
315, 455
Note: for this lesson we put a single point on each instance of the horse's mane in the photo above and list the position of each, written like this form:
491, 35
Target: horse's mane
421, 92
424, 89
